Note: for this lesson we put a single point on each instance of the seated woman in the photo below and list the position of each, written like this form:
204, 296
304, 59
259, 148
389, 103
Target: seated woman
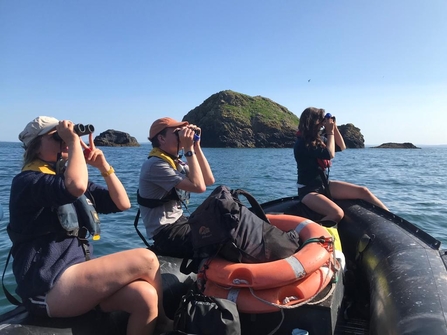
52, 211
313, 154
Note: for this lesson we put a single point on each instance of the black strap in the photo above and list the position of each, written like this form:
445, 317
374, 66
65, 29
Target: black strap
255, 206
189, 265
135, 223
152, 203
325, 179
8, 295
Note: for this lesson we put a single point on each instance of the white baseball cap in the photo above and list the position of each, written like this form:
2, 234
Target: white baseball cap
39, 126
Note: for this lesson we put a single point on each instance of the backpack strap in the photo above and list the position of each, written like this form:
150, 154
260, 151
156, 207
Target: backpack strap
135, 224
255, 206
8, 295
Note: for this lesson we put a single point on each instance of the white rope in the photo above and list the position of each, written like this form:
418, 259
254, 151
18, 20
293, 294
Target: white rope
279, 325
334, 264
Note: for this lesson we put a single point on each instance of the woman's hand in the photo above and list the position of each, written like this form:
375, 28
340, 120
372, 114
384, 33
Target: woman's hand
329, 125
65, 130
94, 156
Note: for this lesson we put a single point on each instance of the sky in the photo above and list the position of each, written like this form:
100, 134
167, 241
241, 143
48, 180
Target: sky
380, 65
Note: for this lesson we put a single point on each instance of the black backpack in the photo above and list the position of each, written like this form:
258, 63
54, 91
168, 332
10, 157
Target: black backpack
223, 225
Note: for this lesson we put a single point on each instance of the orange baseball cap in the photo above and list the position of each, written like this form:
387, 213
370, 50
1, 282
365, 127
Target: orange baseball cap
163, 123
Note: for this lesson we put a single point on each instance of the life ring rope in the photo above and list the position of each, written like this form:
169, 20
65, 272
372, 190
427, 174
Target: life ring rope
317, 250
233, 293
284, 284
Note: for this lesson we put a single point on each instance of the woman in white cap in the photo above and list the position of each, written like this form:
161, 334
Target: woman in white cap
55, 273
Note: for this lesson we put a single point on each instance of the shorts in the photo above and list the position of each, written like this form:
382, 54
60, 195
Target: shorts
305, 190
37, 306
174, 239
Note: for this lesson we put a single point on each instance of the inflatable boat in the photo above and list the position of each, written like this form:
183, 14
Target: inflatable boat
394, 282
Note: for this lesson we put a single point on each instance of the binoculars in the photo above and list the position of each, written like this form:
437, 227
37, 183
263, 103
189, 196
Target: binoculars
329, 116
79, 129
196, 134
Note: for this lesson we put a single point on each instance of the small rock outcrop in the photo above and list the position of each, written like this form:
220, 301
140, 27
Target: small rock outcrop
352, 136
115, 138
391, 145
234, 120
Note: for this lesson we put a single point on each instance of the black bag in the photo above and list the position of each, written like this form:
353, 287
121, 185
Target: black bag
203, 315
223, 225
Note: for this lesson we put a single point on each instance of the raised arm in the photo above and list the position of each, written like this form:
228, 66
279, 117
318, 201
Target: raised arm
338, 138
204, 165
95, 157
195, 181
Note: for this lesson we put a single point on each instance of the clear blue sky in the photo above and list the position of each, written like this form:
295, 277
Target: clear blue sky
381, 65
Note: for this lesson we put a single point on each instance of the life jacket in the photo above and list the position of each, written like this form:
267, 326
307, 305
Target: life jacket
69, 215
324, 163
153, 203
172, 194
78, 218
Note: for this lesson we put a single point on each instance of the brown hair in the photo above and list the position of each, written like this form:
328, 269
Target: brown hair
310, 124
155, 141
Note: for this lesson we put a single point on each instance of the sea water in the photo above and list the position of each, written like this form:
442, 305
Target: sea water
411, 182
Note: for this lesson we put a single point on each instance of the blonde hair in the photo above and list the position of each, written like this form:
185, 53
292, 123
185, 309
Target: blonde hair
32, 151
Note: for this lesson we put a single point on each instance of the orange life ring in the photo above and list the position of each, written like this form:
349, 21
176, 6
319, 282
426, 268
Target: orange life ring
249, 300
281, 272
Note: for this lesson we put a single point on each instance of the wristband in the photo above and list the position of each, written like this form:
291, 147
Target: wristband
108, 173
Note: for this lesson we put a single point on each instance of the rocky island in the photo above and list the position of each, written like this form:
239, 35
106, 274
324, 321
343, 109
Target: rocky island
392, 145
115, 138
235, 120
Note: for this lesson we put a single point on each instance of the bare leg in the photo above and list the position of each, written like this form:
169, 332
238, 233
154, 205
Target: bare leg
128, 280
343, 190
324, 206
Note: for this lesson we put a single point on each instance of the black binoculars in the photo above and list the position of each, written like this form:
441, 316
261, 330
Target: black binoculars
79, 129
196, 134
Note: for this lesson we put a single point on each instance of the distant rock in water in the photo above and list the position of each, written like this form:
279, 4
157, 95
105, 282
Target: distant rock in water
352, 136
115, 138
233, 120
392, 145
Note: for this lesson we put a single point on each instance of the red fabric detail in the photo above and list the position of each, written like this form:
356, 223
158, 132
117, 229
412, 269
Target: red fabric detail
324, 163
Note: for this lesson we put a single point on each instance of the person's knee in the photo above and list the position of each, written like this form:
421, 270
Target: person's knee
340, 214
145, 258
336, 215
365, 192
142, 298
148, 255
148, 296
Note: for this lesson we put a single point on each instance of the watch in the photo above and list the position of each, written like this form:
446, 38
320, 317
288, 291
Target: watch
189, 153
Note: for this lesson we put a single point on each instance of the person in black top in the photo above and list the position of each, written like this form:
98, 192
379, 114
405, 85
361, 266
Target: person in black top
313, 153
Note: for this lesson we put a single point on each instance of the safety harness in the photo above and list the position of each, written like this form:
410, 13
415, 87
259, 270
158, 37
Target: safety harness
153, 203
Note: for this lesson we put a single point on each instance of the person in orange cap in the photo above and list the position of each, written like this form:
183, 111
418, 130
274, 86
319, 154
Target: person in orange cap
166, 182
